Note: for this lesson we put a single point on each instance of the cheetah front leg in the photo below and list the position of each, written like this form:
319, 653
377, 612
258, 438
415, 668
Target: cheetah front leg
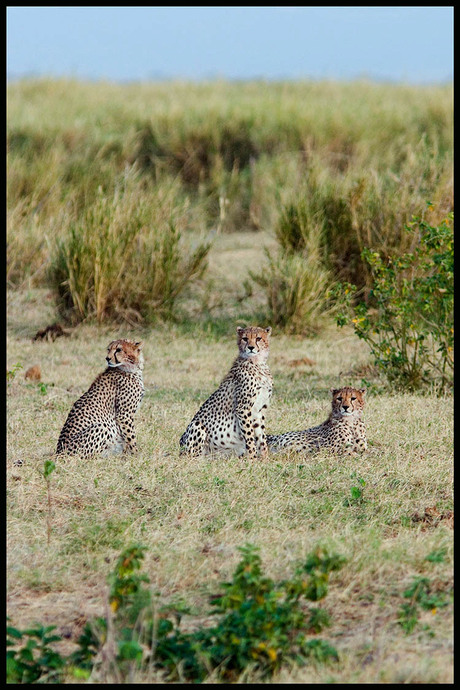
125, 425
360, 439
260, 435
125, 409
360, 445
246, 425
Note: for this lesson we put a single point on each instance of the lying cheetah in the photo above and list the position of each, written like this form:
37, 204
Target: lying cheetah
102, 420
233, 417
343, 432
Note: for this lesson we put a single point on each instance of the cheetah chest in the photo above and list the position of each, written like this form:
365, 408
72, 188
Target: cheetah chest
261, 400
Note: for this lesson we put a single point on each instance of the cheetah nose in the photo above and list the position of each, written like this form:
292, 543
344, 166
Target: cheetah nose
251, 347
107, 359
345, 407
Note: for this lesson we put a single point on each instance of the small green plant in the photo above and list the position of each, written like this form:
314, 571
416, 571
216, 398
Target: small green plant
356, 492
129, 621
11, 373
34, 660
43, 387
126, 583
408, 320
48, 469
421, 595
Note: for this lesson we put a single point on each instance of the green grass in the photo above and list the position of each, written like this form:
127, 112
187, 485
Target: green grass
193, 514
226, 162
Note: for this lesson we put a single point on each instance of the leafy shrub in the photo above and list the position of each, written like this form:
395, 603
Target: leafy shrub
35, 661
262, 626
124, 259
408, 320
265, 621
421, 594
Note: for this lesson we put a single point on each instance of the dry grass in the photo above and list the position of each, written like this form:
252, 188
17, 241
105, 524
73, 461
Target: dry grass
192, 515
233, 154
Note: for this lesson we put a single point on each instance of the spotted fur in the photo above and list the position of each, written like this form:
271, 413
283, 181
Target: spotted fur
233, 418
102, 420
342, 433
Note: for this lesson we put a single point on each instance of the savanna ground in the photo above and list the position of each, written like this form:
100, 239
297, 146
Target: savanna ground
193, 514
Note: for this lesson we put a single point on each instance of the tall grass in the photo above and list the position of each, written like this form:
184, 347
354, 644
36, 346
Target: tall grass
295, 280
124, 259
365, 158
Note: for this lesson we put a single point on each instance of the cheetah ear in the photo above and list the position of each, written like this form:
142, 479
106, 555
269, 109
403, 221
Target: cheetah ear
362, 391
268, 330
139, 345
334, 390
239, 329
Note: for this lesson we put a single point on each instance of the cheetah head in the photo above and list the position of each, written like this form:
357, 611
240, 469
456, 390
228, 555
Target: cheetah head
347, 401
253, 342
126, 355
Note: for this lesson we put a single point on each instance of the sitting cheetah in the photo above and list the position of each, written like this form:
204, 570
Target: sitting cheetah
343, 432
232, 418
101, 421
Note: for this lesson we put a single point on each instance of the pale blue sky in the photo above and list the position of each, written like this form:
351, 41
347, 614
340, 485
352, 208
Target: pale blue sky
408, 44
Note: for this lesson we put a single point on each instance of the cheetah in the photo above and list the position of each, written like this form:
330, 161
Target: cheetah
232, 419
102, 420
342, 433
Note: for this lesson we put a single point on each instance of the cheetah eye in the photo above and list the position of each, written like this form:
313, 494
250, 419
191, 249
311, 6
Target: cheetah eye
245, 339
353, 398
258, 338
118, 349
339, 399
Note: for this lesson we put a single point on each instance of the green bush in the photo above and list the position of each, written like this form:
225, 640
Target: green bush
422, 594
408, 319
262, 625
124, 259
35, 660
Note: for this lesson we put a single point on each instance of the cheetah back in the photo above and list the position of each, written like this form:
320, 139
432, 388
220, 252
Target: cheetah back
102, 420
